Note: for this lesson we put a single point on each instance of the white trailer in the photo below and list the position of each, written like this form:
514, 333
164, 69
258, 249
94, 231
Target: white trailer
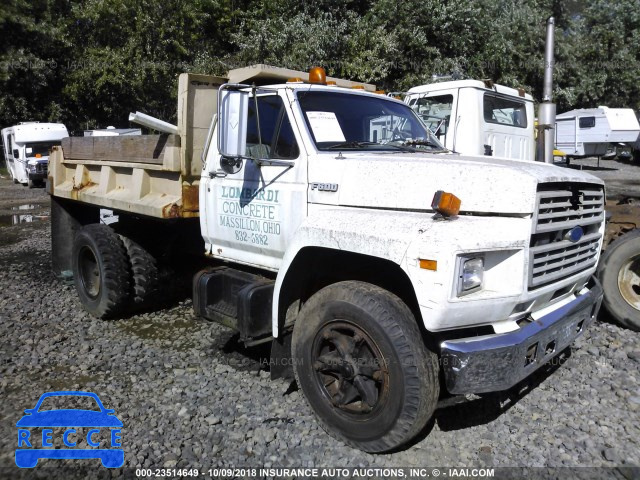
26, 150
587, 132
472, 117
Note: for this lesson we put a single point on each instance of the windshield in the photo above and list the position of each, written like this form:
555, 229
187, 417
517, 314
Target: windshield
41, 148
346, 121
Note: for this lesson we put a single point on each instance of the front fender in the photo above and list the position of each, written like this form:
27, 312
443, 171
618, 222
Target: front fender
383, 234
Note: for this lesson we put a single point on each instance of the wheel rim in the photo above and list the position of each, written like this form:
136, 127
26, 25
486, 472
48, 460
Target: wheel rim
349, 369
629, 281
89, 272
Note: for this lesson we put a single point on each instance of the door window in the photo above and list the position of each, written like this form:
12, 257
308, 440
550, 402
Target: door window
275, 137
504, 111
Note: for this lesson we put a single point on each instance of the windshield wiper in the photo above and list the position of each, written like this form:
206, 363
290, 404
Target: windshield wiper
358, 144
424, 142
352, 144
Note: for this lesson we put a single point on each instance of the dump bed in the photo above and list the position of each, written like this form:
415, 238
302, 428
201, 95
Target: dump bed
154, 175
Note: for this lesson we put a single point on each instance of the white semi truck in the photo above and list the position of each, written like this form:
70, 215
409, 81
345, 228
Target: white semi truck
26, 150
383, 267
477, 118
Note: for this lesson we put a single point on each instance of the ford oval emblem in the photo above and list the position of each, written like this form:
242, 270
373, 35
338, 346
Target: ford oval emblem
574, 235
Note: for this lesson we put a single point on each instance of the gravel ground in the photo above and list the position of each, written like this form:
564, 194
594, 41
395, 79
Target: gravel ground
189, 395
622, 178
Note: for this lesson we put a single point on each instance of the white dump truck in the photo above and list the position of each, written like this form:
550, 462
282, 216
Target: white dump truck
385, 269
26, 150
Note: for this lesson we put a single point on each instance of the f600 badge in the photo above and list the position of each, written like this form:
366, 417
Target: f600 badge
324, 187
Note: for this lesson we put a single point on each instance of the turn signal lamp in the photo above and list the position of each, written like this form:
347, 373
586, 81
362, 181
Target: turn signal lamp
428, 264
446, 204
317, 75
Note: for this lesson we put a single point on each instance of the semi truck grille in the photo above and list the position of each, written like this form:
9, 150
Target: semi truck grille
566, 231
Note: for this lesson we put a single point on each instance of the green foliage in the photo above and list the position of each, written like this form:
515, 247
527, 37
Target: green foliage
88, 63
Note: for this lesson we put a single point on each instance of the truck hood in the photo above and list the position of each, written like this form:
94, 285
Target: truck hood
35, 160
409, 181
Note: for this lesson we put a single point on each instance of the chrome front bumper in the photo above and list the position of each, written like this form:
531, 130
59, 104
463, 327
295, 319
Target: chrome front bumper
497, 362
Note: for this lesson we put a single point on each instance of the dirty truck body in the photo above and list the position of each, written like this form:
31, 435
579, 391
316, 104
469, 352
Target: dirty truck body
309, 208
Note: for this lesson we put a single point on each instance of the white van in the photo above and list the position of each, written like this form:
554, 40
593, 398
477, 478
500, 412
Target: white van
26, 150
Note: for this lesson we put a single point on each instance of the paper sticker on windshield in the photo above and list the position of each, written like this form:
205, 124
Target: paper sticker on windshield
325, 127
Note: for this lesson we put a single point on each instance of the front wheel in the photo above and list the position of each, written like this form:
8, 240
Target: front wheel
619, 273
101, 271
363, 366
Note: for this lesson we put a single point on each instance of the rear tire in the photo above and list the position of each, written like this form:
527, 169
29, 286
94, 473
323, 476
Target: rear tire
101, 271
145, 275
619, 273
360, 360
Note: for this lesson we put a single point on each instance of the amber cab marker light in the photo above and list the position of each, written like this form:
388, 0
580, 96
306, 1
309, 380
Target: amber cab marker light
317, 75
294, 80
445, 203
428, 264
331, 83
38, 155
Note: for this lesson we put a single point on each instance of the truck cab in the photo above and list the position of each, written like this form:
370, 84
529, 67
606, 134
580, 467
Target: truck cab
477, 118
26, 150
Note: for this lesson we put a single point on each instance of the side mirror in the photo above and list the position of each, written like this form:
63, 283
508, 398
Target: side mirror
233, 107
16, 153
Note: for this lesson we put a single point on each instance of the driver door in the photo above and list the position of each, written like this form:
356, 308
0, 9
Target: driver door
251, 213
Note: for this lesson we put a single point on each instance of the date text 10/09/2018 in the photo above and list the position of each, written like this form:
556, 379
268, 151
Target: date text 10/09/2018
313, 472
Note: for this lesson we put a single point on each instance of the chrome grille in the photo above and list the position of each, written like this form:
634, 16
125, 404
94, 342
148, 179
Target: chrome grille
561, 207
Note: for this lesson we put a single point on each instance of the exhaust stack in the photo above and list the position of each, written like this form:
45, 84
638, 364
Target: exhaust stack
547, 109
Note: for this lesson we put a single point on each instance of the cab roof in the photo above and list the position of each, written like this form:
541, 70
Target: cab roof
477, 84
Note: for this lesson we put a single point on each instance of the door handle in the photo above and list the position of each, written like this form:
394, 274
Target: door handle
218, 173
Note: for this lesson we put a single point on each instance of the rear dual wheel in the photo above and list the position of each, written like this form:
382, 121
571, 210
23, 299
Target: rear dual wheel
362, 364
113, 275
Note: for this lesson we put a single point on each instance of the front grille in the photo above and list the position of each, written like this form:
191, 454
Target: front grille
41, 167
560, 208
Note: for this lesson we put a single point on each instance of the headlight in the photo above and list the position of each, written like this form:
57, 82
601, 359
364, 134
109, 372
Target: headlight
471, 273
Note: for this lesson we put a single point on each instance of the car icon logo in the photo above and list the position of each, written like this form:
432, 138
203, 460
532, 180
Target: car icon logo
96, 422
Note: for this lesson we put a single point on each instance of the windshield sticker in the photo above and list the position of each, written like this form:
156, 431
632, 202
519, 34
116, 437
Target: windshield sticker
325, 127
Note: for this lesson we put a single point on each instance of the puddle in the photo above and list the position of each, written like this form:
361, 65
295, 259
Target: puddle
23, 216
8, 220
28, 206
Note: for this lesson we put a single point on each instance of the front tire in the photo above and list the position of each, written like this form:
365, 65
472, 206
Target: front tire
101, 271
363, 366
619, 273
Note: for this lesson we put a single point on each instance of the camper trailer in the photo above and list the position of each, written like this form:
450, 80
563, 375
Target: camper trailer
26, 150
477, 118
587, 132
